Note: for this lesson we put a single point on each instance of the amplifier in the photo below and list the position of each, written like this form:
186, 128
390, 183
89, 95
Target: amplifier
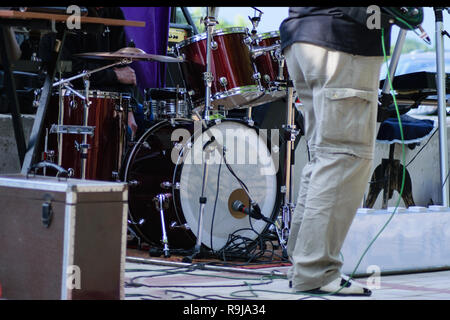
62, 238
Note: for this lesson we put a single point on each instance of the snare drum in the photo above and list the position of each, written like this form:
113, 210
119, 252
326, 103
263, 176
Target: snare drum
268, 67
166, 103
169, 159
234, 82
105, 129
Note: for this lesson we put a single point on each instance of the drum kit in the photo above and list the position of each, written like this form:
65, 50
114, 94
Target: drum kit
196, 180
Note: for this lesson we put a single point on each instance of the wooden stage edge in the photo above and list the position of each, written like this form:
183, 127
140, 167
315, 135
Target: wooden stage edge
9, 14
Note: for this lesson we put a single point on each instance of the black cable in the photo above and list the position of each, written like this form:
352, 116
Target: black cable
198, 297
445, 180
138, 285
215, 204
415, 156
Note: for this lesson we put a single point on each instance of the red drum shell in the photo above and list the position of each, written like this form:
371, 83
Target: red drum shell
231, 60
107, 113
265, 64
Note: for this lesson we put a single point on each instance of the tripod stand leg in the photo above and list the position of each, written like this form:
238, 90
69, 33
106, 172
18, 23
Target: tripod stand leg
202, 200
160, 200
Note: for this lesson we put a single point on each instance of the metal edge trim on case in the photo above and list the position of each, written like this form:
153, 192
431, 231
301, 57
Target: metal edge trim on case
69, 234
64, 185
124, 243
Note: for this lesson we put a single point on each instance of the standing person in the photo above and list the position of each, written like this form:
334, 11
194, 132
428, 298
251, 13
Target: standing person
334, 63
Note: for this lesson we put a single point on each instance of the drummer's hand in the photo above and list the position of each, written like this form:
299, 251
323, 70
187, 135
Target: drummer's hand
132, 124
125, 75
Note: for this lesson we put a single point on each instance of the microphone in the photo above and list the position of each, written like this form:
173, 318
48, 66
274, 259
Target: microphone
424, 36
211, 140
254, 211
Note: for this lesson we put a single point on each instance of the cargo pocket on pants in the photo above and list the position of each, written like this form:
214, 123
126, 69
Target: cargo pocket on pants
348, 117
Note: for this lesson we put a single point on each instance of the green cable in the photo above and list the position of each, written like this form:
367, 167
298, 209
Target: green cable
403, 157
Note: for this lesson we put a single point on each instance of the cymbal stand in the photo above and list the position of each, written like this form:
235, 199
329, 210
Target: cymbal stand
88, 73
210, 22
202, 201
442, 105
288, 206
290, 133
84, 145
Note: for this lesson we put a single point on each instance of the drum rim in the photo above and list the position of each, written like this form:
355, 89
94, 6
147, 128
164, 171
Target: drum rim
235, 91
130, 158
268, 35
202, 36
229, 93
98, 94
168, 89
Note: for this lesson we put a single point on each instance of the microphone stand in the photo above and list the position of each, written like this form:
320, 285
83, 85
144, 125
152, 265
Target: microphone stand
209, 147
210, 22
442, 105
291, 132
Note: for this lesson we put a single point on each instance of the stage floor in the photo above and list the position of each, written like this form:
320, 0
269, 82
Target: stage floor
162, 279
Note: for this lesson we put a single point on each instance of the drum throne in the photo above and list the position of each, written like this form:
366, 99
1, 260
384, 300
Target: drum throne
388, 175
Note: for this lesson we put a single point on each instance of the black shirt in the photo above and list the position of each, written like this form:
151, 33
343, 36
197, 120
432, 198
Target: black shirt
331, 28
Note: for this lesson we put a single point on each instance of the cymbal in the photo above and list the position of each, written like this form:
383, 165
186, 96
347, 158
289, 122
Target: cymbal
128, 53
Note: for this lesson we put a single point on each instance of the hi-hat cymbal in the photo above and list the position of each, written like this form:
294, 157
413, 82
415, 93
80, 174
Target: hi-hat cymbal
128, 53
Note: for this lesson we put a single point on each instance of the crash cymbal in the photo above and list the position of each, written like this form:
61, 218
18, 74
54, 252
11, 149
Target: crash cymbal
128, 53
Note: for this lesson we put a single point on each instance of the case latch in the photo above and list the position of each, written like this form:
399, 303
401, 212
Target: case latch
47, 212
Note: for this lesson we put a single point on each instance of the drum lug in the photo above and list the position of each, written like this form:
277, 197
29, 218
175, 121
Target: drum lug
248, 41
115, 176
49, 156
257, 76
214, 45
37, 97
208, 78
71, 172
224, 82
133, 183
166, 185
118, 107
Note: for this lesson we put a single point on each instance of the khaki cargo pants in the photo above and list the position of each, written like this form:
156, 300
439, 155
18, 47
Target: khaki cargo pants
339, 94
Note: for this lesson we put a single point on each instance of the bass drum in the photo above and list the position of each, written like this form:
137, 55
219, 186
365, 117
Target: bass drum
169, 159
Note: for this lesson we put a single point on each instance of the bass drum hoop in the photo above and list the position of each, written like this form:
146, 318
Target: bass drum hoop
130, 159
176, 175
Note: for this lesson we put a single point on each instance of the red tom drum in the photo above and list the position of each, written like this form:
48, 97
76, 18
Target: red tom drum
233, 77
64, 129
268, 68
